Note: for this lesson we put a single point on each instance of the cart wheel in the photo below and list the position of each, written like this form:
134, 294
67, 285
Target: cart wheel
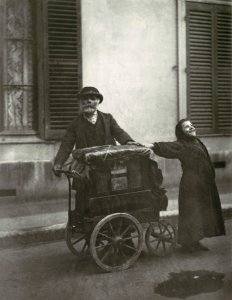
77, 241
160, 238
116, 242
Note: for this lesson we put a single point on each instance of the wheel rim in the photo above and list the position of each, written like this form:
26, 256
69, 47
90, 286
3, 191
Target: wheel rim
161, 238
77, 241
116, 242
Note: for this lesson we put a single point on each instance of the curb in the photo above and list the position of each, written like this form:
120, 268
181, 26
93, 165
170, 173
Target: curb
32, 236
12, 239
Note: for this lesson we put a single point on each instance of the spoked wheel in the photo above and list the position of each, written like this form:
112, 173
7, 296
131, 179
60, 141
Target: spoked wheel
77, 241
116, 242
160, 238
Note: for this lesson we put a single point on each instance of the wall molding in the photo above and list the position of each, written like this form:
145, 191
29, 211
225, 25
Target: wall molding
229, 2
181, 59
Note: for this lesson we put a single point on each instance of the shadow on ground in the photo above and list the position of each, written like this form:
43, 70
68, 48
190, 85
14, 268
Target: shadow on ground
190, 283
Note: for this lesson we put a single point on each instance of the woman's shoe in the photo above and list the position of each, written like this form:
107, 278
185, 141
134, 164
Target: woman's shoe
193, 248
199, 246
187, 249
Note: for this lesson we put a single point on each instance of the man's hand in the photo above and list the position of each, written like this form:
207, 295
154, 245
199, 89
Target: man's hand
56, 168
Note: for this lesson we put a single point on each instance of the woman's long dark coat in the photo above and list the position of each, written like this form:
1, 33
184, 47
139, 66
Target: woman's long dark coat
200, 213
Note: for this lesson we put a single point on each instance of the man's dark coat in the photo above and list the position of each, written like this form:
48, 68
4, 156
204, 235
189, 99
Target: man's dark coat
75, 136
200, 213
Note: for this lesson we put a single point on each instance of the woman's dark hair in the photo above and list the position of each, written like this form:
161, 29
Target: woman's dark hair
180, 135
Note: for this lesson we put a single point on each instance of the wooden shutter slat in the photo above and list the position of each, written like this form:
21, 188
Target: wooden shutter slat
63, 63
209, 66
199, 68
224, 64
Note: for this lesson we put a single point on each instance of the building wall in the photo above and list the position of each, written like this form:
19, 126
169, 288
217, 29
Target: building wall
130, 55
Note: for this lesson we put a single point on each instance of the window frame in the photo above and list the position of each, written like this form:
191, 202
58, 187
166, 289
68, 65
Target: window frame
22, 132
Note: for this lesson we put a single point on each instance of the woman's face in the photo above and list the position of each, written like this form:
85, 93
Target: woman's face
188, 128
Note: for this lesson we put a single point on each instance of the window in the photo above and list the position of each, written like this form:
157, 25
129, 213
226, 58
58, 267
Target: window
41, 63
59, 45
209, 71
17, 82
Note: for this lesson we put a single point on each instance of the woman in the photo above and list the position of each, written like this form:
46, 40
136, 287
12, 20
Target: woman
200, 213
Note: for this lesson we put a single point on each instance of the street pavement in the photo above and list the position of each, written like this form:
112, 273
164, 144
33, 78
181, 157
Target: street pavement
49, 271
30, 222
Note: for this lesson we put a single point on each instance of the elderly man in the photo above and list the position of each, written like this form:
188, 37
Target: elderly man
90, 128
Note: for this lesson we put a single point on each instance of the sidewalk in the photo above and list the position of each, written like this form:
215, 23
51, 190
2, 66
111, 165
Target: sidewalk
34, 222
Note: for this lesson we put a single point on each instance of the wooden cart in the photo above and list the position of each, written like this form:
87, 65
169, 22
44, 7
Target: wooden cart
118, 195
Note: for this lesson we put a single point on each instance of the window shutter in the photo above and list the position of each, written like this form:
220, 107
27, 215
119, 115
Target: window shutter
209, 62
62, 65
199, 61
224, 69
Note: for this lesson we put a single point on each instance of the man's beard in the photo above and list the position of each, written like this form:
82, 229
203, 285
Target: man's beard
89, 110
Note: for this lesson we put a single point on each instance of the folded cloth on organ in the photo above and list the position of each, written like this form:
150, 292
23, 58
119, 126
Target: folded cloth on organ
108, 152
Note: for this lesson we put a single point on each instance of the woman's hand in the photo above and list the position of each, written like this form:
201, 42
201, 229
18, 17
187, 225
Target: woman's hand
133, 143
150, 146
